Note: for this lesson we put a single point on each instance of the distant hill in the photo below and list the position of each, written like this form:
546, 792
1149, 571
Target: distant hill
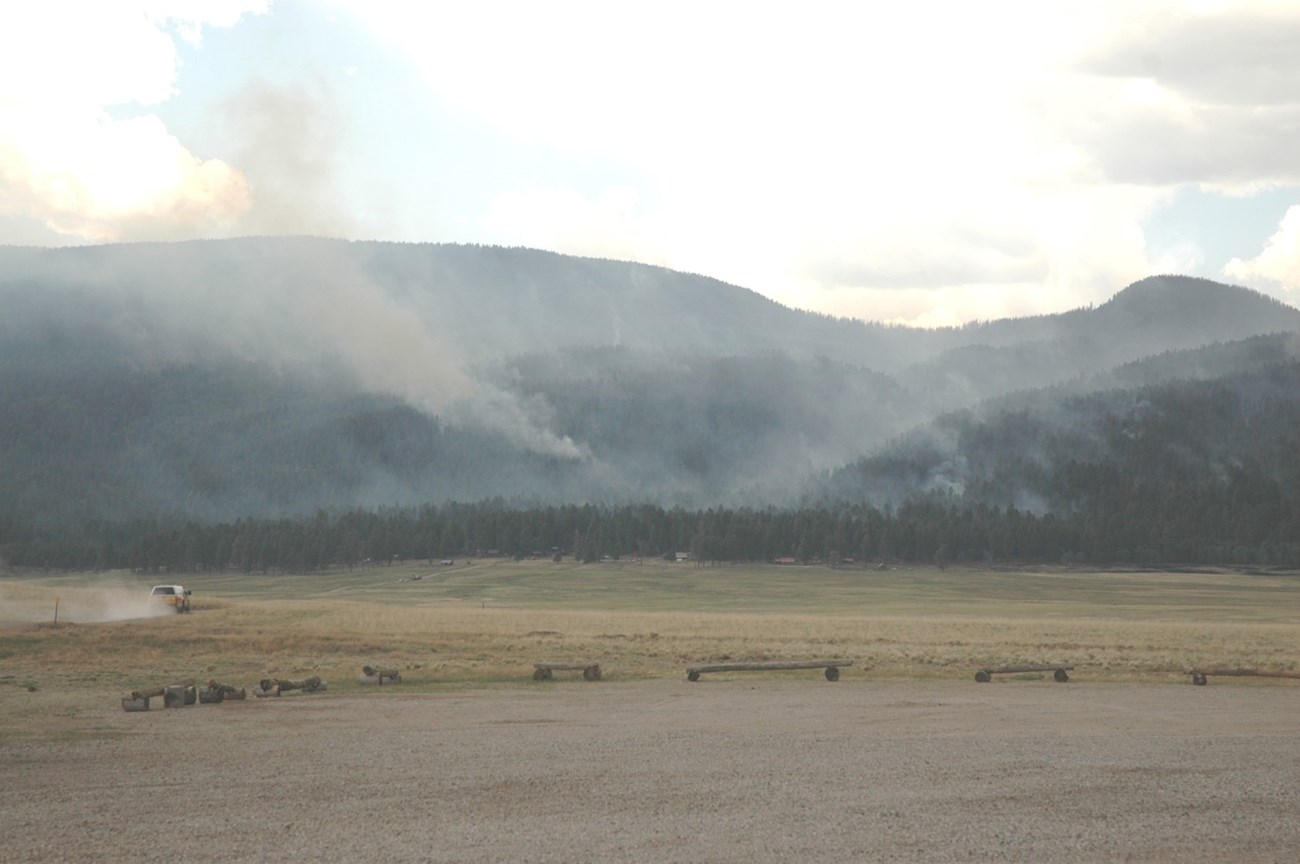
278, 376
1153, 316
1215, 428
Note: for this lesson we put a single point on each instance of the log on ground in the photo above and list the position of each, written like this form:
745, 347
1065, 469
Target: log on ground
281, 685
1028, 667
832, 667
590, 671
228, 691
1060, 671
1201, 676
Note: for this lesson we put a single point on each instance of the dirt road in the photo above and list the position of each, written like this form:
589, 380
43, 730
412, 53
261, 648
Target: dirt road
726, 769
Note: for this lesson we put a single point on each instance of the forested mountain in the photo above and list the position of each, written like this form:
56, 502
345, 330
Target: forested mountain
1180, 432
268, 378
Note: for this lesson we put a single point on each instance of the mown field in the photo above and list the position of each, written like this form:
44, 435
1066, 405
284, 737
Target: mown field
484, 623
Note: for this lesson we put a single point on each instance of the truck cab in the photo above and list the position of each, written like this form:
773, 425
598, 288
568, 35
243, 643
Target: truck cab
176, 596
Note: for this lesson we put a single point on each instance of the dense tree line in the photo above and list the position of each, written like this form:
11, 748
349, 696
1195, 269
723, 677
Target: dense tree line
1194, 471
1234, 523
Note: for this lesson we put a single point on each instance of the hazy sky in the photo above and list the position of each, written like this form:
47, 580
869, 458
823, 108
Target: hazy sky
924, 162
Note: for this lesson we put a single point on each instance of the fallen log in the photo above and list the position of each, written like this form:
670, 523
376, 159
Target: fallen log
373, 675
590, 671
1059, 671
1200, 677
832, 667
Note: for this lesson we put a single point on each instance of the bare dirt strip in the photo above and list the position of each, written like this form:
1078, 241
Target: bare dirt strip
779, 768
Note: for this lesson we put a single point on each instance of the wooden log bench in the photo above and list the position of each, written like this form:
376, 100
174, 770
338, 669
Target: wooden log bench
276, 686
175, 695
1201, 677
375, 675
544, 671
1059, 671
832, 667
138, 700
215, 692
180, 694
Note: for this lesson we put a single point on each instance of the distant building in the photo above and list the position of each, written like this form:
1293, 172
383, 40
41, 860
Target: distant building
784, 560
682, 556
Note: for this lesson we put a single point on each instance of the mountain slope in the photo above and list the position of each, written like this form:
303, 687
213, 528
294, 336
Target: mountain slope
1153, 316
1154, 433
276, 376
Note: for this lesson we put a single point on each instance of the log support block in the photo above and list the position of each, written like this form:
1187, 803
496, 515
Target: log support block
375, 675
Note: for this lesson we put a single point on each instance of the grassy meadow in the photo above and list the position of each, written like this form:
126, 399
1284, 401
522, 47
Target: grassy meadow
485, 622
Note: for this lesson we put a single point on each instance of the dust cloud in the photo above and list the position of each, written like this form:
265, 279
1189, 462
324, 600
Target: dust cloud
113, 601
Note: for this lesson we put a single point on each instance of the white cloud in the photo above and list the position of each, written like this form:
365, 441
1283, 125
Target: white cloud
68, 162
1232, 56
1004, 153
608, 226
87, 54
925, 162
1278, 264
85, 175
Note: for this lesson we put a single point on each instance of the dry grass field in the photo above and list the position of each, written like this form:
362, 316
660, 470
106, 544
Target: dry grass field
485, 622
906, 758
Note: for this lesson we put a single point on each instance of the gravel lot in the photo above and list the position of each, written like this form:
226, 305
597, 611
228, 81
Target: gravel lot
731, 768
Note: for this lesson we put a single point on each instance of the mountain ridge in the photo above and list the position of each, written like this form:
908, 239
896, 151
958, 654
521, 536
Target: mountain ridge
273, 376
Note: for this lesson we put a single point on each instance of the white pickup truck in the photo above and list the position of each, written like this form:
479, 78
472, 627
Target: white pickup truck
176, 596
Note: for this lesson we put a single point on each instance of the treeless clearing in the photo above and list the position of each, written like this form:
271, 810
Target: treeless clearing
469, 759
489, 622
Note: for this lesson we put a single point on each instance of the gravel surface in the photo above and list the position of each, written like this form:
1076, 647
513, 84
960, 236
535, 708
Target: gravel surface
780, 768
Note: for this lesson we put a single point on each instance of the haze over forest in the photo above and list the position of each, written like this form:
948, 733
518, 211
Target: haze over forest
279, 377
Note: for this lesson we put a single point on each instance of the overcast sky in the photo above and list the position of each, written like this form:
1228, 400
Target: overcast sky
921, 162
